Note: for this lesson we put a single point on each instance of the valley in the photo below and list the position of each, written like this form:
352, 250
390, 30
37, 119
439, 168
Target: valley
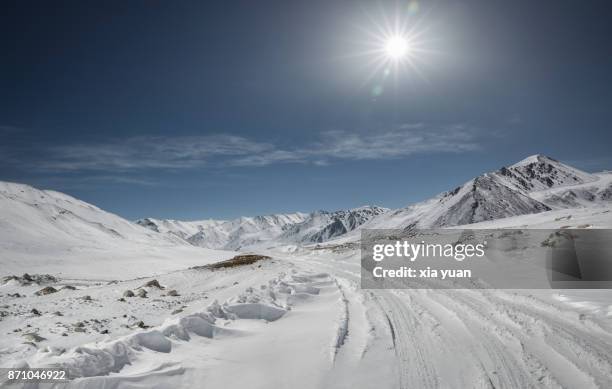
275, 301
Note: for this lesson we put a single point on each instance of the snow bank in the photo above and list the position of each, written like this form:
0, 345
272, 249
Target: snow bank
256, 311
102, 359
201, 324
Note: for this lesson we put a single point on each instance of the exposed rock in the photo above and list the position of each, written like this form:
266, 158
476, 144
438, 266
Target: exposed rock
128, 293
141, 293
177, 311
33, 337
28, 279
68, 287
46, 290
9, 278
238, 260
153, 284
35, 311
172, 293
141, 324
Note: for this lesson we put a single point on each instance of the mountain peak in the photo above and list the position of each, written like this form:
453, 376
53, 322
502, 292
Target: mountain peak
539, 172
534, 159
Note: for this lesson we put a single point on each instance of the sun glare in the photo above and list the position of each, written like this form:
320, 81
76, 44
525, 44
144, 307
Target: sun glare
396, 47
393, 45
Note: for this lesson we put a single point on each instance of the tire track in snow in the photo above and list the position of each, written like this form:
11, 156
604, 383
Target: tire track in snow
414, 361
414, 368
343, 323
503, 349
548, 365
585, 345
494, 351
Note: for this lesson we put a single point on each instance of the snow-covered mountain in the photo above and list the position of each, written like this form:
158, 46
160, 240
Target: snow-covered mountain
29, 214
538, 172
43, 229
63, 227
560, 186
229, 234
320, 226
251, 231
535, 184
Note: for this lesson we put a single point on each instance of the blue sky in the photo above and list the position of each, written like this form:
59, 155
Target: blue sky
193, 110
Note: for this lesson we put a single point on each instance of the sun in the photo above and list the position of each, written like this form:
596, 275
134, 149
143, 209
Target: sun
392, 45
397, 47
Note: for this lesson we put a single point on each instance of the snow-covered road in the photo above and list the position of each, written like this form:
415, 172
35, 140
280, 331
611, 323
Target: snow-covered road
300, 320
484, 338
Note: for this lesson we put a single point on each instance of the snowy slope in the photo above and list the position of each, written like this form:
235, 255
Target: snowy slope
593, 193
44, 230
182, 229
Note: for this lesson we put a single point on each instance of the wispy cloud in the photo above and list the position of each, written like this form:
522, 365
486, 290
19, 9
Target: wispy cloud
87, 182
400, 142
188, 152
396, 143
150, 153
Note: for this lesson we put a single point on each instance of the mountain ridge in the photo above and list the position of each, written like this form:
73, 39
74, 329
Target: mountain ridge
533, 185
525, 187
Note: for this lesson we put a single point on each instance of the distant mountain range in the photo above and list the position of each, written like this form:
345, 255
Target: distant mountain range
534, 185
243, 232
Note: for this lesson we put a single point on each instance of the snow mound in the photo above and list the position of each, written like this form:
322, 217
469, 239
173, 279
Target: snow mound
111, 357
201, 324
268, 302
257, 311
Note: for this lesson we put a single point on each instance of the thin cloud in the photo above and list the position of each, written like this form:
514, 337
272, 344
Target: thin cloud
189, 152
150, 153
397, 143
73, 182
